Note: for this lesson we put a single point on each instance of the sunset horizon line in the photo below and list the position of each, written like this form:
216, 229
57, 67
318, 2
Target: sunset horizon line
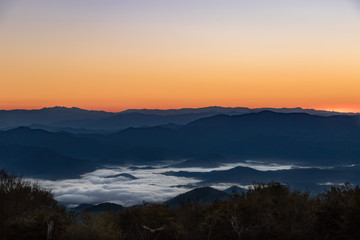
349, 110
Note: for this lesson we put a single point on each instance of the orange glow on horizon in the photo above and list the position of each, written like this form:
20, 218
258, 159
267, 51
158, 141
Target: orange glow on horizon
133, 55
338, 108
343, 109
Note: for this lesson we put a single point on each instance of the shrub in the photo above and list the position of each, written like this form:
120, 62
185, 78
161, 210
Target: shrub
27, 210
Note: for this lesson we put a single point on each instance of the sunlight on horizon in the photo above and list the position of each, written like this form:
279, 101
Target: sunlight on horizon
116, 55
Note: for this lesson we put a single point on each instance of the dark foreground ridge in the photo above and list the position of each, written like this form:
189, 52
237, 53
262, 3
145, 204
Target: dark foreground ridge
201, 195
101, 207
265, 211
204, 195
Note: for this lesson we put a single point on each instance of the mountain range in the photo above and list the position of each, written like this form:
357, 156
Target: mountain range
327, 144
78, 120
298, 138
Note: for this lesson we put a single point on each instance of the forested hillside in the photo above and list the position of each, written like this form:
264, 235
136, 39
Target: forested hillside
265, 211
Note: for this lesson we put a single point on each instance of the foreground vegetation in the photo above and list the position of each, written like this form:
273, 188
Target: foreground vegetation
266, 211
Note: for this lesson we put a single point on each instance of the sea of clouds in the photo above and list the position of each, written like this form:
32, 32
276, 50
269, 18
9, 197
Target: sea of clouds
150, 185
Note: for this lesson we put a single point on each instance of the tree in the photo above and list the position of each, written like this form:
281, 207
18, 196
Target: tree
27, 210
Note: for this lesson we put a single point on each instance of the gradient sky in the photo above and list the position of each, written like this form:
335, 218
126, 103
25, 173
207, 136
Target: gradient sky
115, 54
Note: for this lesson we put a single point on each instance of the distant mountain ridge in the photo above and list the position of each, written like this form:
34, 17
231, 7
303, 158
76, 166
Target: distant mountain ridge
78, 120
206, 137
234, 111
19, 117
266, 136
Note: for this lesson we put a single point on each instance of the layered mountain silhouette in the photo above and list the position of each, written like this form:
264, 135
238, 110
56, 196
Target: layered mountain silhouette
76, 120
41, 162
267, 136
15, 118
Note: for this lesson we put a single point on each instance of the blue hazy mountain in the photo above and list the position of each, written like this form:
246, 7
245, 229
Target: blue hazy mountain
124, 175
70, 119
58, 155
41, 162
266, 136
79, 130
125, 120
232, 111
64, 143
15, 118
300, 177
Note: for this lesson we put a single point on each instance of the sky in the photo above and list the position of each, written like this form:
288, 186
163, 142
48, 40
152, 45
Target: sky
119, 54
